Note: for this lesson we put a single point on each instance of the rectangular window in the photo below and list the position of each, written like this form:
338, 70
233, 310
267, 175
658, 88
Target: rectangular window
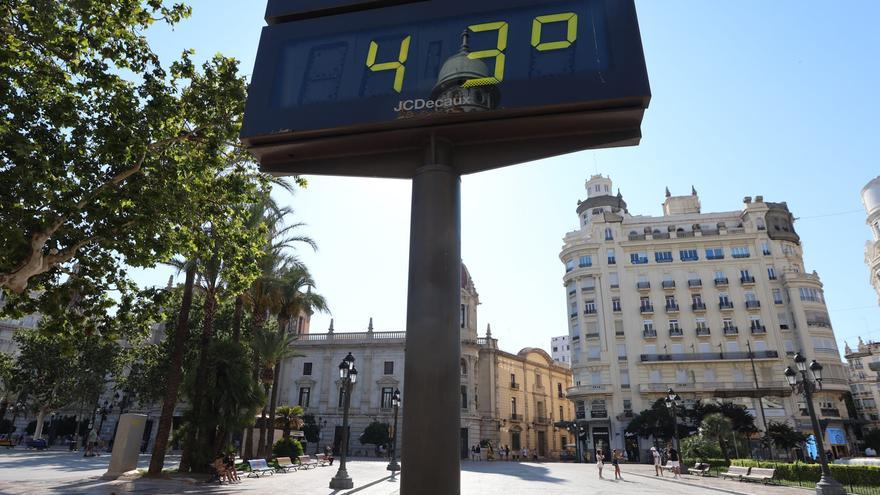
621, 352
609, 236
719, 275
512, 379
673, 326
589, 283
788, 346
639, 258
727, 323
389, 367
677, 348
614, 280
760, 345
464, 397
463, 316
701, 324
624, 378
811, 294
538, 382
627, 405
385, 398
681, 377
305, 396
596, 377
561, 414
307, 369
765, 248
580, 410
688, 255
697, 299
590, 307
783, 321
648, 325
709, 375
771, 272
715, 253
654, 376
750, 296
777, 296
593, 352
739, 251
569, 265
612, 257
663, 256
733, 346
651, 349
618, 327
723, 298
615, 303
704, 347
585, 261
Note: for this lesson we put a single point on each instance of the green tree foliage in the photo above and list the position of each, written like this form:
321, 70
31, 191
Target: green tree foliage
871, 438
655, 422
287, 447
289, 418
7, 388
700, 448
740, 420
376, 433
719, 427
783, 436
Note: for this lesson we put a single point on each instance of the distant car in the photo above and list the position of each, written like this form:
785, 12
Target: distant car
6, 441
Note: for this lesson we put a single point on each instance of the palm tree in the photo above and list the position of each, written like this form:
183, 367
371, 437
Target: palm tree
292, 302
289, 418
719, 427
270, 347
175, 371
235, 396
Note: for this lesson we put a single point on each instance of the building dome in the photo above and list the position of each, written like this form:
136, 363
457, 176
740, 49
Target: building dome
871, 196
454, 74
460, 67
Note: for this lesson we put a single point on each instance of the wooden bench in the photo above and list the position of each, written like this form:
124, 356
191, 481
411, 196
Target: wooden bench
700, 469
764, 475
735, 472
306, 462
285, 464
259, 467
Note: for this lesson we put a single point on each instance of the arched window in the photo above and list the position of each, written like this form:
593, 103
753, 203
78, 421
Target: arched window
463, 367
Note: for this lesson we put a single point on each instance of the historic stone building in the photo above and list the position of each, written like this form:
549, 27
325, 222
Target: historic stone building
710, 304
864, 363
506, 398
871, 200
560, 349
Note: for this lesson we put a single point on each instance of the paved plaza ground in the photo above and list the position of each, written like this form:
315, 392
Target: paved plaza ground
62, 472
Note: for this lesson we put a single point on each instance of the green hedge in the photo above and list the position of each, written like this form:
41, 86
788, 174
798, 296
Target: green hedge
801, 472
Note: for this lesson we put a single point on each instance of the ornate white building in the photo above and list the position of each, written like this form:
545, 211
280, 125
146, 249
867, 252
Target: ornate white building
511, 399
709, 304
871, 200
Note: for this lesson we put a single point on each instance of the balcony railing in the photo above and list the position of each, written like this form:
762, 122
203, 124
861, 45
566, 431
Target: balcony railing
672, 308
758, 329
542, 420
753, 304
695, 283
514, 385
747, 280
646, 308
698, 306
704, 332
725, 305
731, 331
588, 288
599, 413
516, 417
709, 356
590, 311
832, 412
676, 332
643, 285
615, 308
649, 334
740, 255
720, 282
819, 323
668, 284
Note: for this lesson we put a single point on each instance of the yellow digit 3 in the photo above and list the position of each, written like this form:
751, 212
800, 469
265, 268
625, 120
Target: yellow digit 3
497, 53
399, 66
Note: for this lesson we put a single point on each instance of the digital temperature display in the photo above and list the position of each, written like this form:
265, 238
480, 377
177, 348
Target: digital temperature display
439, 63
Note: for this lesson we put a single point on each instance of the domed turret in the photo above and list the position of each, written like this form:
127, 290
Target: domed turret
458, 70
871, 200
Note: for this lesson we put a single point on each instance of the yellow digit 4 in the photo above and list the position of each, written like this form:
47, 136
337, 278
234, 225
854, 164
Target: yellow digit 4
398, 66
497, 53
571, 34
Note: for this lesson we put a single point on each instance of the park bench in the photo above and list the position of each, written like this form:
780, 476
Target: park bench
259, 467
667, 467
735, 472
324, 459
700, 469
285, 464
307, 462
764, 475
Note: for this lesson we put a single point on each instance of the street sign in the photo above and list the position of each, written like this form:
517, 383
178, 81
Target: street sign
345, 87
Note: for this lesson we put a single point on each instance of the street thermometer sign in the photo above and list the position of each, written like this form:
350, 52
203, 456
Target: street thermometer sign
355, 88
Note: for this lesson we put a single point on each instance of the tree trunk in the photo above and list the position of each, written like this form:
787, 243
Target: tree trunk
4, 405
193, 432
172, 381
273, 403
258, 318
261, 445
41, 416
236, 319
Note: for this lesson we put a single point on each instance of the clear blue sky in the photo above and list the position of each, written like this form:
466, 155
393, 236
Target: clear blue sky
749, 97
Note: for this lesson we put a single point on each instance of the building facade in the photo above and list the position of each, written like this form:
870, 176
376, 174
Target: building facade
871, 200
709, 304
863, 365
560, 349
507, 399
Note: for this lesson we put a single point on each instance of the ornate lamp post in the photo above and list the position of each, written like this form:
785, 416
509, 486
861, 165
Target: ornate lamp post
393, 465
348, 374
807, 387
673, 402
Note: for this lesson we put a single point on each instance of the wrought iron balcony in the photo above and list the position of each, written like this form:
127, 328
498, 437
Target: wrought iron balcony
646, 309
758, 329
643, 285
703, 332
590, 311
668, 284
649, 334
747, 280
514, 385
676, 332
695, 283
721, 281
709, 356
731, 331
698, 306
516, 417
672, 308
725, 305
753, 304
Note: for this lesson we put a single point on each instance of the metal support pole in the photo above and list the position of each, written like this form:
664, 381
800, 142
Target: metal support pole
431, 420
342, 481
392, 464
826, 485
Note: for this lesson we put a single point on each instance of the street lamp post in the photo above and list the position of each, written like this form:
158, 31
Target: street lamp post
393, 465
348, 374
807, 387
673, 402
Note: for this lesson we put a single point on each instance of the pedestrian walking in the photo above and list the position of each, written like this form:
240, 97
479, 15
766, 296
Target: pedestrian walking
507, 452
673, 461
616, 457
658, 470
600, 462
525, 453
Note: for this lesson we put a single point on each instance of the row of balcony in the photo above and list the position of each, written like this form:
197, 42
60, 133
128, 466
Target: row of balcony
709, 356
694, 283
647, 309
704, 331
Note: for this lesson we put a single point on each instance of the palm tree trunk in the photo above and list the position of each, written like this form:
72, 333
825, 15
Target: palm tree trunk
175, 374
257, 320
236, 319
273, 402
193, 434
261, 446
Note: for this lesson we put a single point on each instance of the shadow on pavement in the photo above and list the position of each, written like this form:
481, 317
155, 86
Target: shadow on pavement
524, 470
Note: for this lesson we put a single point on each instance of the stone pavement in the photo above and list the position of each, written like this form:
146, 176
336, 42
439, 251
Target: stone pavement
51, 473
